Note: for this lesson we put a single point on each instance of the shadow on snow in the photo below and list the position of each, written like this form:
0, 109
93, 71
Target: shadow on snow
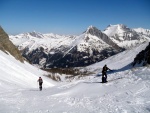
127, 67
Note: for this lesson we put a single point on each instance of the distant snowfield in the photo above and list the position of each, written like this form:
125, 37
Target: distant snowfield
127, 90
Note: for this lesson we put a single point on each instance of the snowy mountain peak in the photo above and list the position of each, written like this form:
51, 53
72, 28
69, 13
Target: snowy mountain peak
117, 25
124, 36
28, 35
121, 26
93, 31
91, 26
36, 34
111, 30
142, 31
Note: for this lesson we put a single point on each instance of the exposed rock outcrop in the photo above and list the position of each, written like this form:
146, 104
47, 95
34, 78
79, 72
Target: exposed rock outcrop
7, 46
143, 57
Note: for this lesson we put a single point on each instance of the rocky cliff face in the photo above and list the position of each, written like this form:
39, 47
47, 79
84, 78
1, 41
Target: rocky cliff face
95, 32
7, 46
143, 57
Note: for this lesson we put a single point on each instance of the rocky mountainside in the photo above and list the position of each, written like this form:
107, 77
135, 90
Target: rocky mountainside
143, 57
7, 46
126, 37
51, 51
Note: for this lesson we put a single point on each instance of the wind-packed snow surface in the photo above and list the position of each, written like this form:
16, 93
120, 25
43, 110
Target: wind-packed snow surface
127, 90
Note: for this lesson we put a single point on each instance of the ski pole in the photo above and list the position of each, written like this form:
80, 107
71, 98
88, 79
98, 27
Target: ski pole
37, 86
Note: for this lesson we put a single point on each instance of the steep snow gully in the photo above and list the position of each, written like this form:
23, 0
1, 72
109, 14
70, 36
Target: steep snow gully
127, 91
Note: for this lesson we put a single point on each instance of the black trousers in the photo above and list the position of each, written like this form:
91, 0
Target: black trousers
40, 86
104, 74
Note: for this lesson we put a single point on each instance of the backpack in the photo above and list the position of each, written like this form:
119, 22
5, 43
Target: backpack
40, 80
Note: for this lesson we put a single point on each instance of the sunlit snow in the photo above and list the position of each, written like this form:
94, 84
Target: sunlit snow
127, 90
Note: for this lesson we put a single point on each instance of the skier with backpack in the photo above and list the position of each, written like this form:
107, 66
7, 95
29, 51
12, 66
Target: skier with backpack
40, 83
104, 74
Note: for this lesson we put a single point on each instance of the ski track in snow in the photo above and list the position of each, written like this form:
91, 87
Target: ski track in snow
124, 93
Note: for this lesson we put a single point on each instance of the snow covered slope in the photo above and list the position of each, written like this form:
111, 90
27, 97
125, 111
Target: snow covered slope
120, 61
126, 37
34, 40
127, 91
17, 75
143, 31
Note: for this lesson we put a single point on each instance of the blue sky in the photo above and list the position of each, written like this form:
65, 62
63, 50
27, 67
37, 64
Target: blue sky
71, 16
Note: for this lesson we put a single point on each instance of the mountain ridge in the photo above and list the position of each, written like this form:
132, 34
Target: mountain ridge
125, 37
93, 45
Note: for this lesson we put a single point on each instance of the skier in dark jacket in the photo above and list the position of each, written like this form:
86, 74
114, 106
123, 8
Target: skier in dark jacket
40, 83
104, 74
